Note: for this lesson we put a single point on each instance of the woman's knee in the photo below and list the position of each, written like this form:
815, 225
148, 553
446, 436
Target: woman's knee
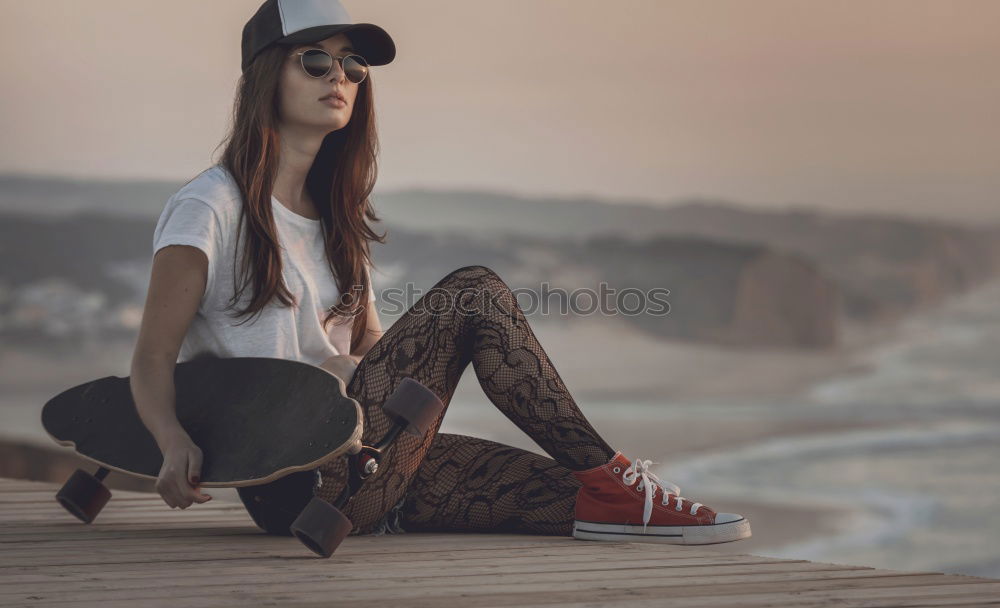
474, 276
471, 290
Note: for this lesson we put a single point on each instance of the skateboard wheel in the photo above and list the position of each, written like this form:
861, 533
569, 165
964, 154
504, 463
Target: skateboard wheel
84, 496
321, 527
415, 404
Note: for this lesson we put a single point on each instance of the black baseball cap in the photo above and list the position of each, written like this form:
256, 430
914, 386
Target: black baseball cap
306, 21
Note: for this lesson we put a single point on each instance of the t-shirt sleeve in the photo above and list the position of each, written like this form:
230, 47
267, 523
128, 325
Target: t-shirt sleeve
190, 221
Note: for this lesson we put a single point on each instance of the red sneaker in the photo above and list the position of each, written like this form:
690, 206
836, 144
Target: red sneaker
611, 506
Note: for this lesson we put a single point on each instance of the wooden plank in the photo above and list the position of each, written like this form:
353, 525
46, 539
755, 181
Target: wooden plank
11, 511
542, 587
411, 585
788, 601
206, 584
826, 593
50, 497
44, 488
434, 542
87, 534
588, 573
175, 520
643, 598
128, 546
148, 517
28, 484
139, 512
609, 598
60, 516
499, 563
125, 504
358, 545
213, 574
417, 541
442, 559
289, 550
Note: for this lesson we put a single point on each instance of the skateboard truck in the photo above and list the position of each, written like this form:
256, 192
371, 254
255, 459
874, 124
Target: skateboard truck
322, 526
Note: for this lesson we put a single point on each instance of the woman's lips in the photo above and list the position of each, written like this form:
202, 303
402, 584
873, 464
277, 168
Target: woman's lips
334, 102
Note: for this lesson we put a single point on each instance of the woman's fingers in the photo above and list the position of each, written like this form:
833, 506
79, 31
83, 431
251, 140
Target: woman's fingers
196, 495
201, 497
176, 489
180, 476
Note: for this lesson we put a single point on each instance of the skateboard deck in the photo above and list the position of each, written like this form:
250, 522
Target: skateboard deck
256, 419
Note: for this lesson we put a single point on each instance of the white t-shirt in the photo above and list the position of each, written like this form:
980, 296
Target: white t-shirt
204, 213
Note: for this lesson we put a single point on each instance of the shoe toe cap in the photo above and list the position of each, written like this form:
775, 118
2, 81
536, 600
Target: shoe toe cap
725, 518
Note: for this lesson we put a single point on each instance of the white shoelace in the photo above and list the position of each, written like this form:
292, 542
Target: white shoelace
640, 468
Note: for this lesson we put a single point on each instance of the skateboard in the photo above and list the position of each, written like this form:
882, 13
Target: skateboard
256, 420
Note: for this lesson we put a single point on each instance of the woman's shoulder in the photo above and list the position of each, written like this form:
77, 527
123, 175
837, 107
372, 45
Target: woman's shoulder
215, 187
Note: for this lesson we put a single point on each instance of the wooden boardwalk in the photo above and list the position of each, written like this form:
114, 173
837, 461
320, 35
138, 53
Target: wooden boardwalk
141, 553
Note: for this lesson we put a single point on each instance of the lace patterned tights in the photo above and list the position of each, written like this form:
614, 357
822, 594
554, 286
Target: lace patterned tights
449, 482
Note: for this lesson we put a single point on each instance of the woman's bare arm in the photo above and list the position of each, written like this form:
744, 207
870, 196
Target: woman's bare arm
372, 335
176, 286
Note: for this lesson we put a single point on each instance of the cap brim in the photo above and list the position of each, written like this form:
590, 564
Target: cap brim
372, 42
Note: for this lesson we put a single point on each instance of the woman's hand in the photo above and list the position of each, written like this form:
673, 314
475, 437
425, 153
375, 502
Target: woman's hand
342, 366
180, 474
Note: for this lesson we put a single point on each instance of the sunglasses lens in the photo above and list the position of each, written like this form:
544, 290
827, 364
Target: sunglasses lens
355, 68
316, 63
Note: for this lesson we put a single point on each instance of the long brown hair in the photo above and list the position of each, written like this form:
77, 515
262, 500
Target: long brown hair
340, 181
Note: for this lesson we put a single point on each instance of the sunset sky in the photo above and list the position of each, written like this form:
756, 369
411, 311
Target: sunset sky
889, 106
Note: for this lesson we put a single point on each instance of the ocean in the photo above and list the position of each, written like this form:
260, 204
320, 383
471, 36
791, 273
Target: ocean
922, 492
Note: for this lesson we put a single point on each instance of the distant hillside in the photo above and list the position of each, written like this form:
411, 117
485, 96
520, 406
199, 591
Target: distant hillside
885, 266
719, 292
57, 197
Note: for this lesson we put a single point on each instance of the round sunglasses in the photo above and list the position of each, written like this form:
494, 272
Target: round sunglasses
318, 63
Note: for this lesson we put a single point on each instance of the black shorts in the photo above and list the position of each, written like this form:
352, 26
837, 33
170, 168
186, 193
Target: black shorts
274, 506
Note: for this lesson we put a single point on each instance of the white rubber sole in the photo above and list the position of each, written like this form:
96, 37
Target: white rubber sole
705, 534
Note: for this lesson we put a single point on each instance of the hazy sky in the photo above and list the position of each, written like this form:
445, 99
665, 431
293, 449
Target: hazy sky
862, 105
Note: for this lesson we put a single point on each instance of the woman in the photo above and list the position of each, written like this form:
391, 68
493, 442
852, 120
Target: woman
277, 231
